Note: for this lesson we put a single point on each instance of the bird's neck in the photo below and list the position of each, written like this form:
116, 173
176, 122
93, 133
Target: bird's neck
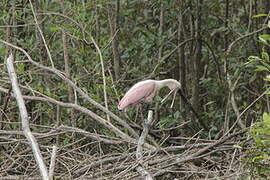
170, 83
163, 83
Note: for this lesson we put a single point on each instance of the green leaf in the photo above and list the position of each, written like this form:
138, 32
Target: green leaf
265, 65
20, 67
260, 68
166, 122
177, 114
267, 78
265, 36
2, 49
254, 58
55, 29
265, 56
259, 15
266, 118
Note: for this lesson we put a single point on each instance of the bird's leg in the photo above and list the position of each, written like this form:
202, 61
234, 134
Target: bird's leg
173, 99
144, 108
142, 115
137, 112
126, 114
167, 96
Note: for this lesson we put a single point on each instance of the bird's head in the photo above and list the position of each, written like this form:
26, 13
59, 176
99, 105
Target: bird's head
173, 84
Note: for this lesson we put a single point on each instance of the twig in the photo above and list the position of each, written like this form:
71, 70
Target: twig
103, 75
165, 98
242, 37
247, 108
233, 102
94, 136
25, 118
41, 34
181, 93
162, 59
139, 155
52, 164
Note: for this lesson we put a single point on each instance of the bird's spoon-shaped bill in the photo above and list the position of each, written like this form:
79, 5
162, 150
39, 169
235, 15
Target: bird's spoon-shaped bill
166, 97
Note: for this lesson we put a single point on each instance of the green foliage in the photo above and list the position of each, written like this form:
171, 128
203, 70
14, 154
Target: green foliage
170, 120
259, 154
261, 63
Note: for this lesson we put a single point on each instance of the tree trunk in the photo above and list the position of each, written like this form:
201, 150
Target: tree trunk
113, 21
181, 57
67, 69
160, 30
197, 58
97, 22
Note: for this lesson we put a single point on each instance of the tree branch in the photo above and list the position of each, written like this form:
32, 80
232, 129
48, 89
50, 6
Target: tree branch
52, 164
41, 34
139, 154
242, 37
25, 118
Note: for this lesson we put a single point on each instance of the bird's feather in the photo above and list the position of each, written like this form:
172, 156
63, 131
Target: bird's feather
140, 92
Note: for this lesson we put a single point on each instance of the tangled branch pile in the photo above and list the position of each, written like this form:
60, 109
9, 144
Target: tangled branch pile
196, 158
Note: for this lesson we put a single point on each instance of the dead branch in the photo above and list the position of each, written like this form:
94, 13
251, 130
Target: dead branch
41, 34
52, 164
25, 119
139, 154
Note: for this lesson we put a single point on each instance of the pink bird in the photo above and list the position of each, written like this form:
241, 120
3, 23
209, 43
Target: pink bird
145, 91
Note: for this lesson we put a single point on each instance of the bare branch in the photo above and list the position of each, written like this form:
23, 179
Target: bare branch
103, 75
242, 37
41, 34
52, 164
139, 154
233, 101
25, 118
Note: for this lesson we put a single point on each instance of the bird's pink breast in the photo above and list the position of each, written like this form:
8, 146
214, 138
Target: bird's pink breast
143, 92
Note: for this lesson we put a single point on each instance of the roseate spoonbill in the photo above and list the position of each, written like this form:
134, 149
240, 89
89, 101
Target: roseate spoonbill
145, 91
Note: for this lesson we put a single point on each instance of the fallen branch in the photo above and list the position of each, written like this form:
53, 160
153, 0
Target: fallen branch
25, 119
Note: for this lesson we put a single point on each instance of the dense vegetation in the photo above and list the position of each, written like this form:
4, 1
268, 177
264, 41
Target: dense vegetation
75, 60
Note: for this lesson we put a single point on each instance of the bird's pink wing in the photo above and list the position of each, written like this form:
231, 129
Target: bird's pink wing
144, 92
